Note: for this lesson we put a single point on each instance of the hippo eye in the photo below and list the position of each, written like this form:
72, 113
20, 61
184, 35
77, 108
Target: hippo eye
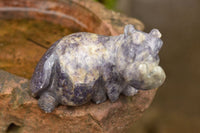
138, 37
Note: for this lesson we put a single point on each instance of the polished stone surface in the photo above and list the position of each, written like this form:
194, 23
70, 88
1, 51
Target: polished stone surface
84, 66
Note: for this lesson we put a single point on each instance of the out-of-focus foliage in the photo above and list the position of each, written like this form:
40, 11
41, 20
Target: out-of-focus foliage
110, 4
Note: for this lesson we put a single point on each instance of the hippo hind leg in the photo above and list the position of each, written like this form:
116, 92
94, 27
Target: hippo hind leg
48, 102
49, 99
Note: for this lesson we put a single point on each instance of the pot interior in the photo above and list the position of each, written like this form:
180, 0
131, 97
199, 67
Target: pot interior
28, 28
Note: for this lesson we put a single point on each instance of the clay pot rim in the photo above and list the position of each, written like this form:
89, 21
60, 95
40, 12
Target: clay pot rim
76, 14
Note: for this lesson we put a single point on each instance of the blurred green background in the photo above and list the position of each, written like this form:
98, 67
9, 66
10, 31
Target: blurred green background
176, 107
110, 4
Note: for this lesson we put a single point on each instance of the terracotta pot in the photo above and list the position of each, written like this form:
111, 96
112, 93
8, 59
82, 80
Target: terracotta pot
19, 111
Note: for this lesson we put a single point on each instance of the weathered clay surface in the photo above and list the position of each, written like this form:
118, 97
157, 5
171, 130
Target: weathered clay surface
19, 108
20, 112
84, 15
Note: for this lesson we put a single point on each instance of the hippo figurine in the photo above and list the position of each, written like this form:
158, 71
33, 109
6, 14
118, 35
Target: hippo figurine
84, 66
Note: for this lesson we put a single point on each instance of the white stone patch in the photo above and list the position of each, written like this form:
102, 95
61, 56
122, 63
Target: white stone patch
138, 37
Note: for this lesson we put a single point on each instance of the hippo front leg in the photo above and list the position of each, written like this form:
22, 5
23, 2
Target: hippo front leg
114, 89
114, 83
129, 91
99, 95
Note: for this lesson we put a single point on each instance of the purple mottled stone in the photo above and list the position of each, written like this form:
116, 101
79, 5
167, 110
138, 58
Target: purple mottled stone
83, 66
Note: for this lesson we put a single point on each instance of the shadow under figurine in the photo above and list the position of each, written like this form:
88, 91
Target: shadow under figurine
84, 66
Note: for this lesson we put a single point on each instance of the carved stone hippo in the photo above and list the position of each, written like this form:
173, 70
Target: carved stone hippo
84, 66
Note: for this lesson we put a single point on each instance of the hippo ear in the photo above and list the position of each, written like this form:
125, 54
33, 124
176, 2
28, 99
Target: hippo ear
129, 29
155, 33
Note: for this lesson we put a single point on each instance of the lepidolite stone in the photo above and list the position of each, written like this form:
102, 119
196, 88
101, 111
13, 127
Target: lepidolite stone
84, 66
